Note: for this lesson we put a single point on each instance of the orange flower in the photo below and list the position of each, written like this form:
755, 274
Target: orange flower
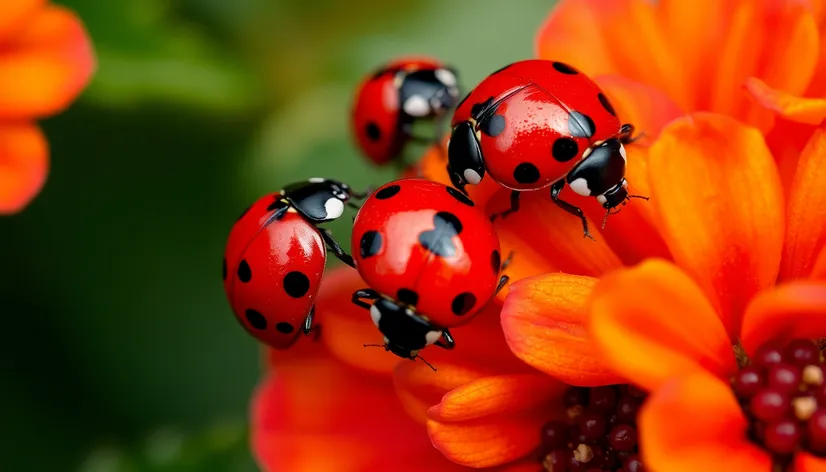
730, 246
45, 61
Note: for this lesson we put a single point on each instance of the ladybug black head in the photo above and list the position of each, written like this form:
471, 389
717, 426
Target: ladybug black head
465, 164
615, 196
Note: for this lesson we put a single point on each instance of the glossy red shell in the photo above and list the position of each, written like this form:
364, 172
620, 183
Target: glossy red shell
285, 262
536, 99
375, 121
399, 213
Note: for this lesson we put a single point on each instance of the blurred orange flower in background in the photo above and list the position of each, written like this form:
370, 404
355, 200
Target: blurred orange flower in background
731, 246
46, 60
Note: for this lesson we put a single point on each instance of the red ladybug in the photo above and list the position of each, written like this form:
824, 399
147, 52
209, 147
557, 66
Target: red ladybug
539, 123
394, 97
275, 258
431, 259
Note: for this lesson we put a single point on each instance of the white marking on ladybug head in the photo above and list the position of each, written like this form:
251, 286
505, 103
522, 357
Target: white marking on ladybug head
334, 208
446, 77
375, 315
580, 186
316, 180
453, 92
416, 106
472, 177
622, 153
386, 340
601, 199
432, 336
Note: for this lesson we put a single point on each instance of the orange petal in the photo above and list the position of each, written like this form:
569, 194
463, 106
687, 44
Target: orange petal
345, 327
711, 435
719, 202
819, 267
800, 109
15, 15
504, 394
806, 220
543, 319
609, 46
526, 261
632, 233
555, 234
804, 462
419, 388
24, 164
793, 310
297, 425
46, 65
487, 441
786, 141
640, 104
653, 322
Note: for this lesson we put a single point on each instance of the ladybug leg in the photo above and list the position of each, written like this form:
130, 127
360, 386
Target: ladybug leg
336, 248
308, 323
457, 182
447, 341
514, 207
502, 281
625, 134
364, 294
507, 262
576, 211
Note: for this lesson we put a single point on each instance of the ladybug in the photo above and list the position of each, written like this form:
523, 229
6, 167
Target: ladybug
431, 259
396, 96
275, 257
540, 123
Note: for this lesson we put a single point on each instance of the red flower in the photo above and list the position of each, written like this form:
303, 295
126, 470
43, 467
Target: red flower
45, 61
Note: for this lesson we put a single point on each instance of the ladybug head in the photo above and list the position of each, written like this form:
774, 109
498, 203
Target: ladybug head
614, 197
340, 189
465, 164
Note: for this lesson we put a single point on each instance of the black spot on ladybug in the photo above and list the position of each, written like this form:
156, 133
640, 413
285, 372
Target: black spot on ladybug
370, 244
478, 108
388, 192
580, 125
495, 261
284, 327
244, 213
408, 296
244, 271
500, 69
296, 284
463, 303
526, 173
493, 125
440, 239
606, 104
459, 196
277, 204
565, 68
564, 149
224, 271
373, 132
255, 319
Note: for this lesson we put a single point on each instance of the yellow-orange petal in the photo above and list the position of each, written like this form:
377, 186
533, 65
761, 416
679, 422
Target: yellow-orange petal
419, 388
345, 327
800, 109
555, 234
498, 395
720, 207
786, 141
45, 66
653, 322
24, 164
15, 15
804, 462
489, 441
694, 423
819, 267
793, 310
806, 211
526, 261
544, 323
299, 426
647, 108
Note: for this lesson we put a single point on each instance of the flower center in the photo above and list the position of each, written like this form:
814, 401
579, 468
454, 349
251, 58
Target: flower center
599, 431
783, 396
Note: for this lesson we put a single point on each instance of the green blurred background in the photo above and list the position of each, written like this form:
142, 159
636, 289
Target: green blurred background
119, 350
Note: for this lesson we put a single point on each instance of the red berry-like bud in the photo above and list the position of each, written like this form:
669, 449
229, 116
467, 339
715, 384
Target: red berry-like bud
603, 399
592, 426
816, 430
770, 405
784, 378
555, 435
767, 356
802, 352
782, 436
633, 464
623, 438
748, 382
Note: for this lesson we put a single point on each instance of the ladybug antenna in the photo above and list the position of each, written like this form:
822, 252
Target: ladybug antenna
638, 196
376, 345
423, 360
